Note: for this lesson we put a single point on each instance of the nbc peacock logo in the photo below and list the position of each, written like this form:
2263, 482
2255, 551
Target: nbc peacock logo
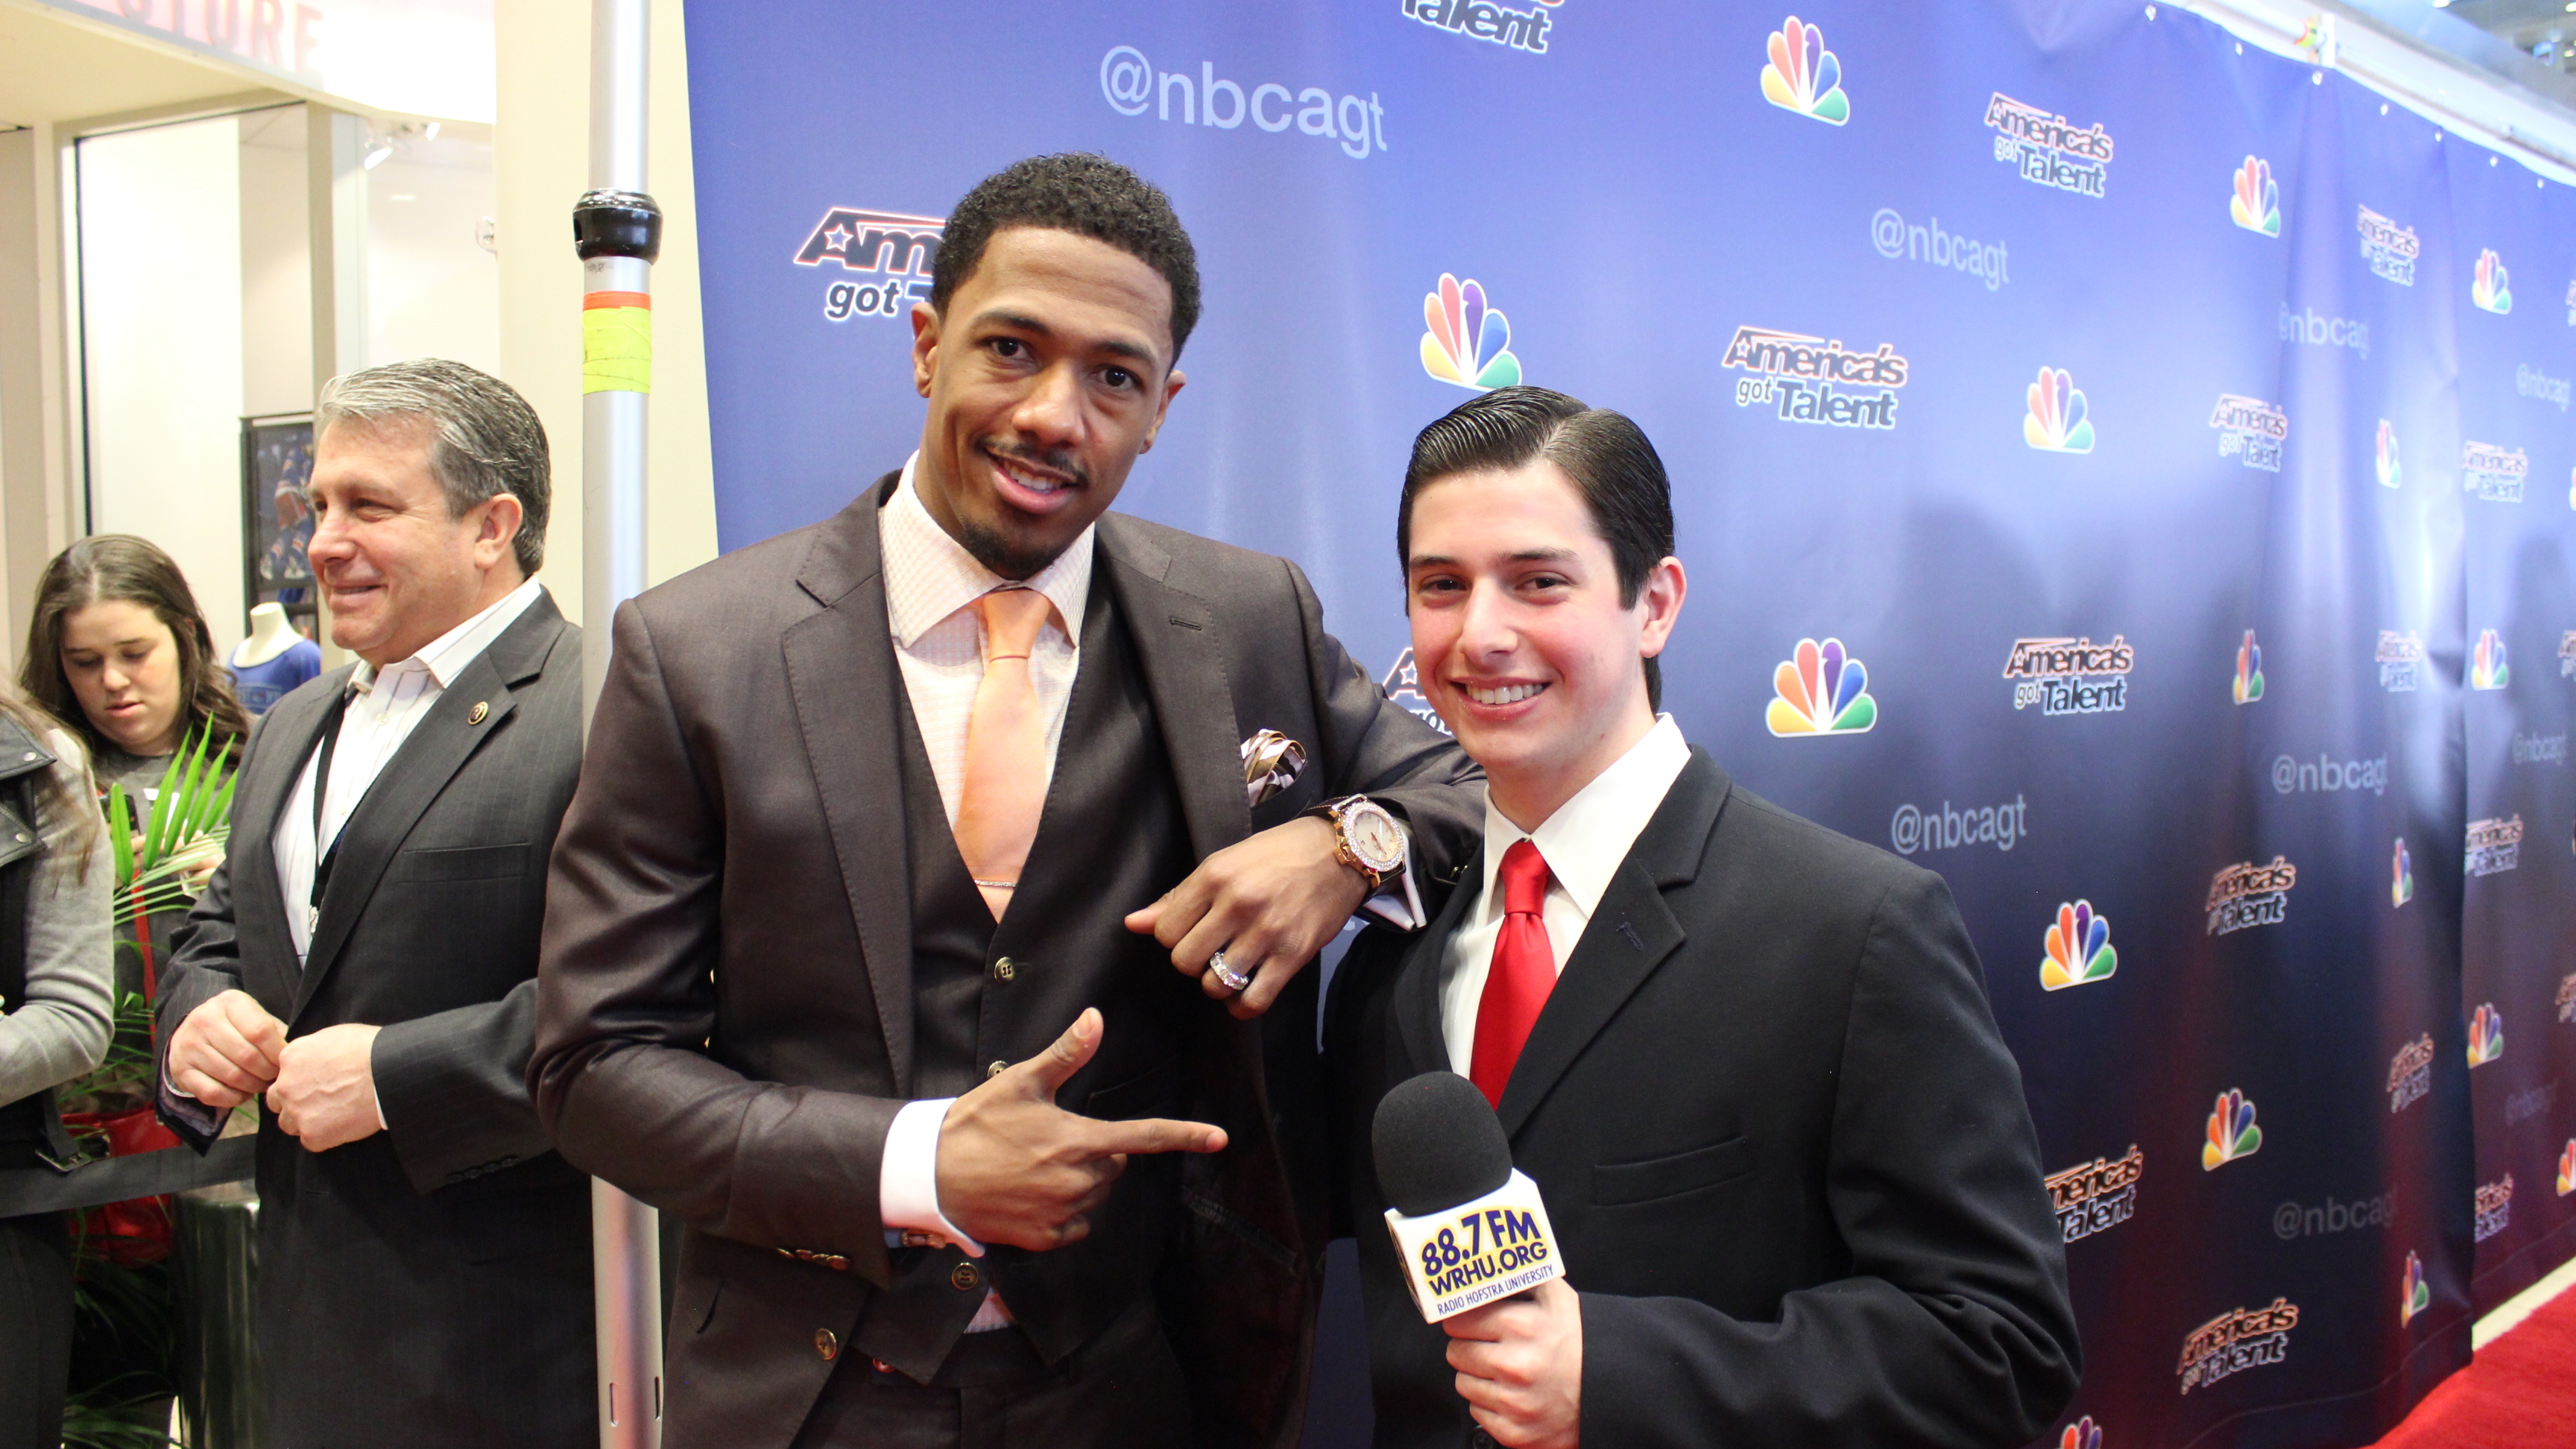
2567, 1169
2486, 1035
1470, 341
1821, 690
2256, 206
2079, 948
2249, 670
2082, 1434
2487, 666
2390, 474
2488, 290
2056, 422
2401, 886
2232, 1133
2414, 1295
1803, 76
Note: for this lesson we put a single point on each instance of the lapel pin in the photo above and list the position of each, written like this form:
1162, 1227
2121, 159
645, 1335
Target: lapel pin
475, 715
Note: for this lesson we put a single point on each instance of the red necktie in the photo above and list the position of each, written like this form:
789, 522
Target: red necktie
1523, 972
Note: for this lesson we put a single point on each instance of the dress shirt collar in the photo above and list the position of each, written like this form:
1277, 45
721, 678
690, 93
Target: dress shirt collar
446, 656
1587, 837
930, 575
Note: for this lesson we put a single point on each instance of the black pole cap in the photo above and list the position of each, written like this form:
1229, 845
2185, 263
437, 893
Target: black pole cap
617, 224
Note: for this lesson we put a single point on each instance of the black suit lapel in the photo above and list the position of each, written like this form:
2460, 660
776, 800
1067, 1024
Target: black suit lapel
287, 739
1631, 933
841, 672
1417, 985
1184, 667
465, 713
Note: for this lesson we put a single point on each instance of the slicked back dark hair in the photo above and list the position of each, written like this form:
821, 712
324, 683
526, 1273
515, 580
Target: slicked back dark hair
1088, 195
1613, 467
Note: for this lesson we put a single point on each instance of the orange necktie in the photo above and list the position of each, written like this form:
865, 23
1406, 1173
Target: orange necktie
1005, 782
1522, 974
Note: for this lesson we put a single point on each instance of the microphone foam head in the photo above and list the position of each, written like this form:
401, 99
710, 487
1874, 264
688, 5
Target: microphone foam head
1438, 1144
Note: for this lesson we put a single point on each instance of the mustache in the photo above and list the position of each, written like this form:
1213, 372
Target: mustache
1052, 460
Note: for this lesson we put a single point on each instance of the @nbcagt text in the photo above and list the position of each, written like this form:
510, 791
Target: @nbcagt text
1915, 827
1896, 238
2292, 1221
1132, 86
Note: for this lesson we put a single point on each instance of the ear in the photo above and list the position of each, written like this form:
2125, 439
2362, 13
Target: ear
1660, 603
1173, 382
925, 346
497, 529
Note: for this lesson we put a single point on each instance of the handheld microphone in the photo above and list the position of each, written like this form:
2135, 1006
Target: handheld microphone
1469, 1227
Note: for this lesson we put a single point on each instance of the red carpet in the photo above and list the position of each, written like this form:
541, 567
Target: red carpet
2520, 1393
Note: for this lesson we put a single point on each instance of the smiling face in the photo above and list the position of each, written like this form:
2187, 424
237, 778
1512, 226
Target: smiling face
123, 666
396, 568
1519, 635
1047, 374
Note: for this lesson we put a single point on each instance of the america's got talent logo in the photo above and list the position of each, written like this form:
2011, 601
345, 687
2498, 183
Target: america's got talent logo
893, 248
1814, 379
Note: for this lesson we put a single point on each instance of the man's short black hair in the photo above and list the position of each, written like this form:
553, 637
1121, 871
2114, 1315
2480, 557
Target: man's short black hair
1606, 455
1079, 192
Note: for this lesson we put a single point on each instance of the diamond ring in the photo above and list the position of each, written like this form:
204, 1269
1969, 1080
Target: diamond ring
1235, 981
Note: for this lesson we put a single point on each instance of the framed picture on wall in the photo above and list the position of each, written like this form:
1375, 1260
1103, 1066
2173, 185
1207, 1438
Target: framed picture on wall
277, 523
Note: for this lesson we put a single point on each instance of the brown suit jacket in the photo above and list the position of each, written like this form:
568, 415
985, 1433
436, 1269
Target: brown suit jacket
726, 1016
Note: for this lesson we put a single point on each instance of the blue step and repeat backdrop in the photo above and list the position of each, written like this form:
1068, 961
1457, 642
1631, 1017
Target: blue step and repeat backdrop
2125, 472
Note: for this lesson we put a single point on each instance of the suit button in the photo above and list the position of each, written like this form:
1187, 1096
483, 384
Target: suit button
827, 1344
963, 1277
995, 1069
1003, 970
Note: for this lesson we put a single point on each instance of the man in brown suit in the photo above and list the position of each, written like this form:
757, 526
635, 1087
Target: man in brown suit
890, 836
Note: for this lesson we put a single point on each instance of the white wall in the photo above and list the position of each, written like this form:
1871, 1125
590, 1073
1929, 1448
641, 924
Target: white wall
432, 290
161, 339
276, 254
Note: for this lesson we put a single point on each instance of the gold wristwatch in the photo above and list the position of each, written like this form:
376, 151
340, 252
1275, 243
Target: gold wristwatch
1366, 838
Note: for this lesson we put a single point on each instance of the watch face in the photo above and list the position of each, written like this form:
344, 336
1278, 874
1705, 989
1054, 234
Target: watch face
1375, 837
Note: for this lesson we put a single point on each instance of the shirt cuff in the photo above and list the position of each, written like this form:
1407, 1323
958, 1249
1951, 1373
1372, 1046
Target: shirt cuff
1400, 908
908, 1180
188, 1109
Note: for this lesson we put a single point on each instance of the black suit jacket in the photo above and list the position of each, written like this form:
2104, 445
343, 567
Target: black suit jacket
1783, 1146
453, 1249
727, 1014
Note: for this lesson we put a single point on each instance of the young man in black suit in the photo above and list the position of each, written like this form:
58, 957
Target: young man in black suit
1748, 1061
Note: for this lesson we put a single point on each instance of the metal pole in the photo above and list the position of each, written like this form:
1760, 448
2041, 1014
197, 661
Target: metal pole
618, 232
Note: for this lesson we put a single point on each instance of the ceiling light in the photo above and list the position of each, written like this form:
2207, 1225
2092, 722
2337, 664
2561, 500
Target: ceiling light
377, 153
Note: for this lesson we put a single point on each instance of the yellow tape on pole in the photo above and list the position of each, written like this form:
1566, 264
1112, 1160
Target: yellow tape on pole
617, 342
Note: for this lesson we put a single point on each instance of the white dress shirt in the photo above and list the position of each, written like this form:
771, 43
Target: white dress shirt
1583, 844
931, 580
385, 706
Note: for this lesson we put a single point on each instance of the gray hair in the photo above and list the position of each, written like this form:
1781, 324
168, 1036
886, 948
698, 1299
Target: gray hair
484, 438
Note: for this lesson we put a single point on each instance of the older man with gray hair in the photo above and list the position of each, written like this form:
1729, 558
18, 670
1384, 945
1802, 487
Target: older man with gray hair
364, 961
